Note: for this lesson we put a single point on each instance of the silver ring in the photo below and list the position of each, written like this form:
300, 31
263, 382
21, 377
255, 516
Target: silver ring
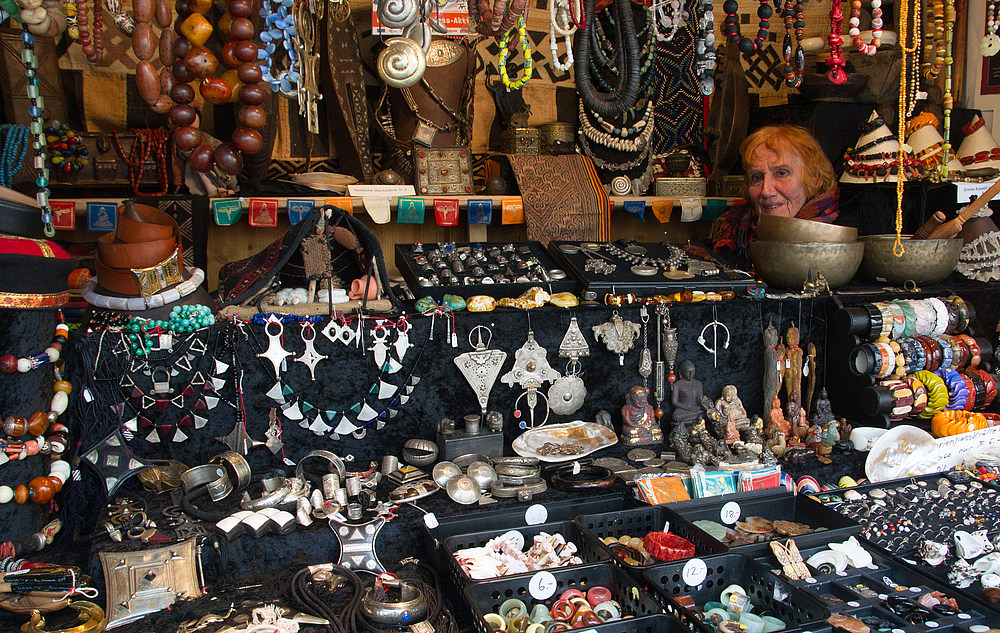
336, 464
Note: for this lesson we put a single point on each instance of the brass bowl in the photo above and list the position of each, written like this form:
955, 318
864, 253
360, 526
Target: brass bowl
924, 262
778, 228
785, 265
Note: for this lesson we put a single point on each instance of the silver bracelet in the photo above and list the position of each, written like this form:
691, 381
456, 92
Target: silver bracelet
239, 465
201, 475
336, 464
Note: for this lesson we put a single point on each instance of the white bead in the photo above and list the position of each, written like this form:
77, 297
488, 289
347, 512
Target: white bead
854, 32
24, 365
61, 469
59, 402
53, 354
6, 494
855, 22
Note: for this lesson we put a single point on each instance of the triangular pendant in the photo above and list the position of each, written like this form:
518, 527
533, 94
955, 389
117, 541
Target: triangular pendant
187, 420
153, 437
220, 367
393, 413
367, 413
286, 390
184, 362
144, 422
345, 427
319, 427
200, 404
178, 401
292, 411
334, 437
179, 435
210, 402
304, 423
218, 383
198, 346
403, 400
379, 425
135, 393
197, 380
174, 373
275, 393
386, 390
189, 391
306, 407
391, 365
147, 402
132, 425
162, 404
199, 421
414, 380
356, 408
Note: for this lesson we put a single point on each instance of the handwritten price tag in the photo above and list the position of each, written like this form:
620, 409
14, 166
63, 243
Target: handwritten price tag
515, 538
542, 585
694, 572
536, 514
730, 513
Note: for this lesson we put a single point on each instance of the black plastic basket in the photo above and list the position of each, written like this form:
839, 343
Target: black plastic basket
587, 549
639, 522
775, 504
486, 597
770, 593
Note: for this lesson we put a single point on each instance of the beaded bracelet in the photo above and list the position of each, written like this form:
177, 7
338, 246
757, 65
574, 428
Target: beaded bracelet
963, 312
910, 317
505, 53
887, 321
919, 394
941, 316
970, 401
973, 125
980, 386
933, 351
921, 120
898, 320
947, 354
937, 393
919, 356
925, 317
975, 352
958, 393
902, 398
991, 386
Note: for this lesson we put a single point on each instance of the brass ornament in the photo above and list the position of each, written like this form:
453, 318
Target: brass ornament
92, 618
443, 52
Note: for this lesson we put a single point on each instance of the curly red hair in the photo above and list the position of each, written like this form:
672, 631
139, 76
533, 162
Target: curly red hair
817, 170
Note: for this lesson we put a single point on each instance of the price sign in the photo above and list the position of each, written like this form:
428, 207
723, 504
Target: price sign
430, 521
515, 538
542, 585
694, 572
536, 514
730, 513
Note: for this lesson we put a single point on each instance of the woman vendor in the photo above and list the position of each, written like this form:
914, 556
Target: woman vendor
787, 174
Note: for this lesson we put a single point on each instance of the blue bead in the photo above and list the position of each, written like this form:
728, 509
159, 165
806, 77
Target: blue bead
293, 76
33, 81
27, 38
275, 34
46, 218
262, 53
285, 85
270, 48
265, 36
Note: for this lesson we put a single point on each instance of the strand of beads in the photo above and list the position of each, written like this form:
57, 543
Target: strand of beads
35, 110
139, 332
15, 148
795, 62
948, 100
658, 16
9, 364
69, 8
561, 25
934, 46
990, 44
704, 48
505, 54
855, 30
281, 28
836, 61
91, 40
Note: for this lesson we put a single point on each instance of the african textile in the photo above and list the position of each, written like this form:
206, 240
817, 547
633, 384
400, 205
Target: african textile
563, 198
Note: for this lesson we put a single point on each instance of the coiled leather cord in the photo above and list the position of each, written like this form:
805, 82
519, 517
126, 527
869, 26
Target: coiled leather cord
627, 56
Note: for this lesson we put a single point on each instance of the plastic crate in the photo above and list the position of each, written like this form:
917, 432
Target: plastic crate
587, 549
486, 597
639, 522
775, 504
778, 597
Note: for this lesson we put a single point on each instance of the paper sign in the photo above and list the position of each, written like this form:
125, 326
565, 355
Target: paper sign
662, 209
636, 208
542, 585
480, 210
63, 214
430, 521
446, 211
453, 15
512, 211
965, 191
299, 209
691, 209
263, 212
410, 211
344, 204
515, 538
730, 513
536, 514
227, 211
951, 451
381, 190
102, 216
694, 572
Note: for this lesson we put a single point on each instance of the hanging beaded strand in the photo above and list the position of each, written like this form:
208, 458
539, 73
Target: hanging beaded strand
522, 34
948, 99
795, 62
836, 61
990, 44
561, 24
15, 148
704, 47
72, 29
35, 110
904, 33
10, 364
731, 26
934, 40
855, 27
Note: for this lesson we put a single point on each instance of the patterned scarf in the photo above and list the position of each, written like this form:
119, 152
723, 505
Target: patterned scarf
736, 228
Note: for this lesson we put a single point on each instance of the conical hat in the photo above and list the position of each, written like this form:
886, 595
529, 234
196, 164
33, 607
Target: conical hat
978, 141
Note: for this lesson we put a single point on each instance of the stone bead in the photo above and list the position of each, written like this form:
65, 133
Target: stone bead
52, 353
15, 425
59, 402
31, 447
20, 494
38, 423
41, 490
60, 469
8, 363
24, 365
6, 494
63, 386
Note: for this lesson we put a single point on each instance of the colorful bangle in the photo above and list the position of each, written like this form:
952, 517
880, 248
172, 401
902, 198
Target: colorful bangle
919, 394
933, 352
925, 317
970, 400
937, 393
977, 382
874, 321
963, 312
898, 320
991, 386
958, 393
947, 354
941, 316
975, 352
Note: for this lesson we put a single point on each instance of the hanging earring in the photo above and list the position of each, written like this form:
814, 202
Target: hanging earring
531, 370
645, 358
566, 395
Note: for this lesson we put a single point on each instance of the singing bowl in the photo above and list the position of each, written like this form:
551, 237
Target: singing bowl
463, 489
444, 472
924, 262
785, 265
778, 228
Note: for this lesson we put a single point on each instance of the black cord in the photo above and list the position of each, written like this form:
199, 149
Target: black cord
202, 515
628, 83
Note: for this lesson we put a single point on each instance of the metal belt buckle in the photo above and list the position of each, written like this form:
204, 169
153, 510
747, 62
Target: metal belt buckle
159, 277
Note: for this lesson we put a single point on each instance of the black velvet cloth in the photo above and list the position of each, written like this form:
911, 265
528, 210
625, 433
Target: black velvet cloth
23, 333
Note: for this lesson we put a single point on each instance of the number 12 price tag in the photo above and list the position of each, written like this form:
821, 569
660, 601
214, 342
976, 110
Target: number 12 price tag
694, 573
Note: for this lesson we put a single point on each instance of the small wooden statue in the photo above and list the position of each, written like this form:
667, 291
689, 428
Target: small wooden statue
810, 375
824, 410
793, 370
639, 425
772, 360
730, 406
776, 418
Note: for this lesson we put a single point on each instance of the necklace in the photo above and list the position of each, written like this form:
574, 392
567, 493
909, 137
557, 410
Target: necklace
498, 19
68, 151
15, 148
35, 110
836, 61
658, 18
561, 23
522, 33
278, 37
934, 45
627, 86
794, 63
617, 141
948, 100
731, 26
904, 33
91, 41
146, 142
704, 48
990, 44
9, 363
855, 31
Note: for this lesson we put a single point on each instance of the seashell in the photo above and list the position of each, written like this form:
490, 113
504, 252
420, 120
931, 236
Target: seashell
790, 528
755, 525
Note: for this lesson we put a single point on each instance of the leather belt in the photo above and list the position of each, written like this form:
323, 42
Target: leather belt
143, 243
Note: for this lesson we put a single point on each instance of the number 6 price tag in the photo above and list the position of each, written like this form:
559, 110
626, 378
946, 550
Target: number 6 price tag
694, 572
542, 585
730, 513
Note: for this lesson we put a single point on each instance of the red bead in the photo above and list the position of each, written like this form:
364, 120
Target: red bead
8, 363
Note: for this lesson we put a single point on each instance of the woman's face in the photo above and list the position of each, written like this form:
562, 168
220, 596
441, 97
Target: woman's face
776, 183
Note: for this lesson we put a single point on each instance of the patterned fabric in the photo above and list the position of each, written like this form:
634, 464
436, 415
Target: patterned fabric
563, 198
736, 228
678, 110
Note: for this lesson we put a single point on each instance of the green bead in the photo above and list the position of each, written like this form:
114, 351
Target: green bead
33, 94
36, 126
41, 181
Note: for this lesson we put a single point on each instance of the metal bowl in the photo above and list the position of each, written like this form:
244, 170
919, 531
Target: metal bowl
924, 262
444, 472
786, 265
778, 228
483, 474
463, 489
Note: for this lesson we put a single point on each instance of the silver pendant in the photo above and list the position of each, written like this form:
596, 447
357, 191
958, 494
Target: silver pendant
275, 352
273, 433
566, 395
310, 358
338, 332
357, 544
481, 366
574, 344
645, 358
531, 370
238, 440
402, 341
618, 335
379, 347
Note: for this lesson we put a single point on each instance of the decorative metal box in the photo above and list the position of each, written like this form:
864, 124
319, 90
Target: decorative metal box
521, 140
442, 170
681, 187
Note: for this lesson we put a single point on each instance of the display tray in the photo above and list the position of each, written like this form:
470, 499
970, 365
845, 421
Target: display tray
767, 592
640, 521
856, 589
924, 508
707, 277
647, 614
773, 505
503, 262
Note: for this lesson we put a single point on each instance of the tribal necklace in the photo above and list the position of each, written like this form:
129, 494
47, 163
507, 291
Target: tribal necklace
627, 88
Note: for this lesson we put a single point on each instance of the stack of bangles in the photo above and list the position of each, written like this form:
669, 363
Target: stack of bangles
947, 423
905, 318
685, 296
574, 609
949, 389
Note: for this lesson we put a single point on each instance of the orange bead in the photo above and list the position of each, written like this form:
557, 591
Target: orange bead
196, 28
15, 426
63, 386
20, 494
38, 423
57, 483
41, 490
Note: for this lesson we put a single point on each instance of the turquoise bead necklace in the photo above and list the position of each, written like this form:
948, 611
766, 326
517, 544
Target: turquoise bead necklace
183, 320
15, 147
35, 110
